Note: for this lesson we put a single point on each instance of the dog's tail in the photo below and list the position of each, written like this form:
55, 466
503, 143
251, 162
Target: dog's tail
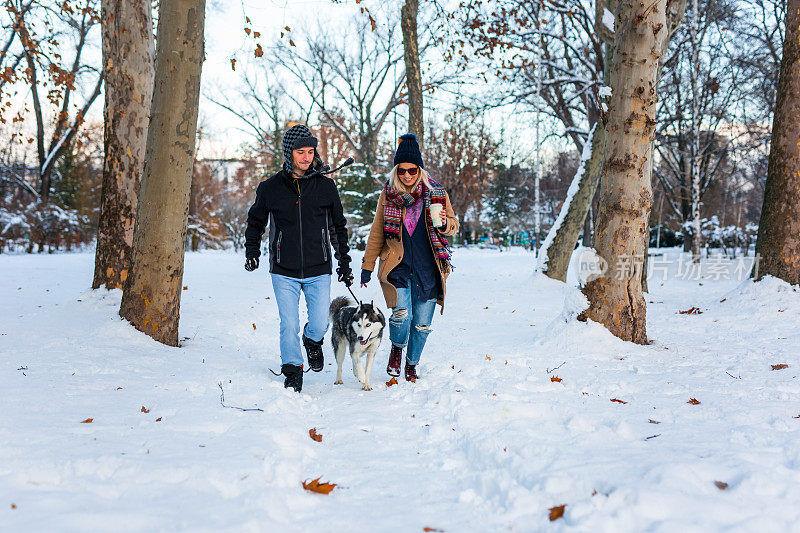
339, 303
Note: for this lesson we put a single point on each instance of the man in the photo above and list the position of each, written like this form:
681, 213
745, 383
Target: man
302, 206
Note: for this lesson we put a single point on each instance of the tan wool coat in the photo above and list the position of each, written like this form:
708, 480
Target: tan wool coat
390, 251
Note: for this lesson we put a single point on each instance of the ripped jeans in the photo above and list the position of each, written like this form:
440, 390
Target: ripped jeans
410, 322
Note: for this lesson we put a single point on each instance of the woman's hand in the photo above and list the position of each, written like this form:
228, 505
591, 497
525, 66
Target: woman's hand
443, 216
366, 275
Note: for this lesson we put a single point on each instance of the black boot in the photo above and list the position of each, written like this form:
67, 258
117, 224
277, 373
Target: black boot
294, 377
411, 372
314, 354
395, 356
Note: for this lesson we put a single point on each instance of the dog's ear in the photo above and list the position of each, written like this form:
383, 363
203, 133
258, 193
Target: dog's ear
372, 303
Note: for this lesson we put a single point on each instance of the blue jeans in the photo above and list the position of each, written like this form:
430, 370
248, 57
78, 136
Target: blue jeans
410, 322
318, 300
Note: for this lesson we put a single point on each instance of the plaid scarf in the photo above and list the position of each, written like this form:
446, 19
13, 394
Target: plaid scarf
393, 215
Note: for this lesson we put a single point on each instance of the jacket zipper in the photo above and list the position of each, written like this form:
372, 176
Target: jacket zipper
324, 245
300, 217
280, 236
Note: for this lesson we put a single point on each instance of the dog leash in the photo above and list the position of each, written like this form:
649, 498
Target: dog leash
354, 296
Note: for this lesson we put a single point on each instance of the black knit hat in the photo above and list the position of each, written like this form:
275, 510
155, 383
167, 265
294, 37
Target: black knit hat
408, 151
296, 137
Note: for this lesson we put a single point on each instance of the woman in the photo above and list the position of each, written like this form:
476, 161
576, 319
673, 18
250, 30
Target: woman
412, 217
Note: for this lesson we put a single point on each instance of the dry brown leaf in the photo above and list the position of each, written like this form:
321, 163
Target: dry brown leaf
119, 388
556, 379
315, 486
254, 325
186, 287
426, 528
691, 311
314, 435
721, 485
780, 366
556, 512
618, 401
145, 409
87, 421
693, 401
259, 51
158, 419
488, 358
13, 505
233, 63
391, 382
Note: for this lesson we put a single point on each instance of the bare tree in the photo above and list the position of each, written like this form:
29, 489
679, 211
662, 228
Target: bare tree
128, 68
350, 79
151, 297
408, 23
616, 299
43, 60
778, 244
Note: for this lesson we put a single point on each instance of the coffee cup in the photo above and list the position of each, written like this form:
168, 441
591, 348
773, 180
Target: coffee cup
436, 215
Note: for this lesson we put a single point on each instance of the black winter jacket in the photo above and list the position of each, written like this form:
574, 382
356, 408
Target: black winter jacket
305, 218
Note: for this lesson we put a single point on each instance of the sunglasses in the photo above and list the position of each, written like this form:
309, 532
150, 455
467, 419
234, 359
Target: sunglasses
411, 171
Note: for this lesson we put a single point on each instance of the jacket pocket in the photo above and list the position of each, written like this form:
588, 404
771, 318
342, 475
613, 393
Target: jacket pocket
278, 247
324, 245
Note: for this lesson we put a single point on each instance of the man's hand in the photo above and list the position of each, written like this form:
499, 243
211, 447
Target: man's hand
366, 275
251, 264
345, 274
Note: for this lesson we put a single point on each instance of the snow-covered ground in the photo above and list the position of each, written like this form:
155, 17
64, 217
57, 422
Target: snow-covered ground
486, 441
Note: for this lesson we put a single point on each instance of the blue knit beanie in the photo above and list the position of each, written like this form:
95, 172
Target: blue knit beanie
408, 151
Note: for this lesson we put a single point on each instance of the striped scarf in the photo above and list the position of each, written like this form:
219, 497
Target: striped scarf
393, 215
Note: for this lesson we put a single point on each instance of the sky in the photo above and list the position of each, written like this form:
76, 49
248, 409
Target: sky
226, 40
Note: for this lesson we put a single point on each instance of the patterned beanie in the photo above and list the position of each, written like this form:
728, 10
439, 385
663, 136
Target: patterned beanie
296, 137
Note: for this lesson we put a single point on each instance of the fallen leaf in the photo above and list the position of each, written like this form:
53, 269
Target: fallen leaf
314, 435
618, 401
488, 358
556, 379
233, 63
145, 409
721, 485
119, 388
315, 486
158, 419
391, 382
693, 401
653, 421
259, 51
691, 311
87, 421
780, 366
254, 325
722, 300
556, 512
13, 505
432, 529
186, 287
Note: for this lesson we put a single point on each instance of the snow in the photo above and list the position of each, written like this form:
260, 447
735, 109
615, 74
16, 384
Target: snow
485, 441
608, 19
605, 91
586, 154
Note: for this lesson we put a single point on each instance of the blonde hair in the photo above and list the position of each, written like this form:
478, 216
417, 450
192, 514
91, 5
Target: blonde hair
397, 183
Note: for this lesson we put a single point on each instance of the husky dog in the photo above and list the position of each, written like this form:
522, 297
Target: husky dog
359, 327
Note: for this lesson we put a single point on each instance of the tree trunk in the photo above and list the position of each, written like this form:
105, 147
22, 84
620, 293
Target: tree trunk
128, 67
408, 24
778, 242
616, 299
151, 297
559, 250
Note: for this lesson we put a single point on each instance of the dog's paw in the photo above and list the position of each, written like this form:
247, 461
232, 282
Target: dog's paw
366, 387
338, 382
